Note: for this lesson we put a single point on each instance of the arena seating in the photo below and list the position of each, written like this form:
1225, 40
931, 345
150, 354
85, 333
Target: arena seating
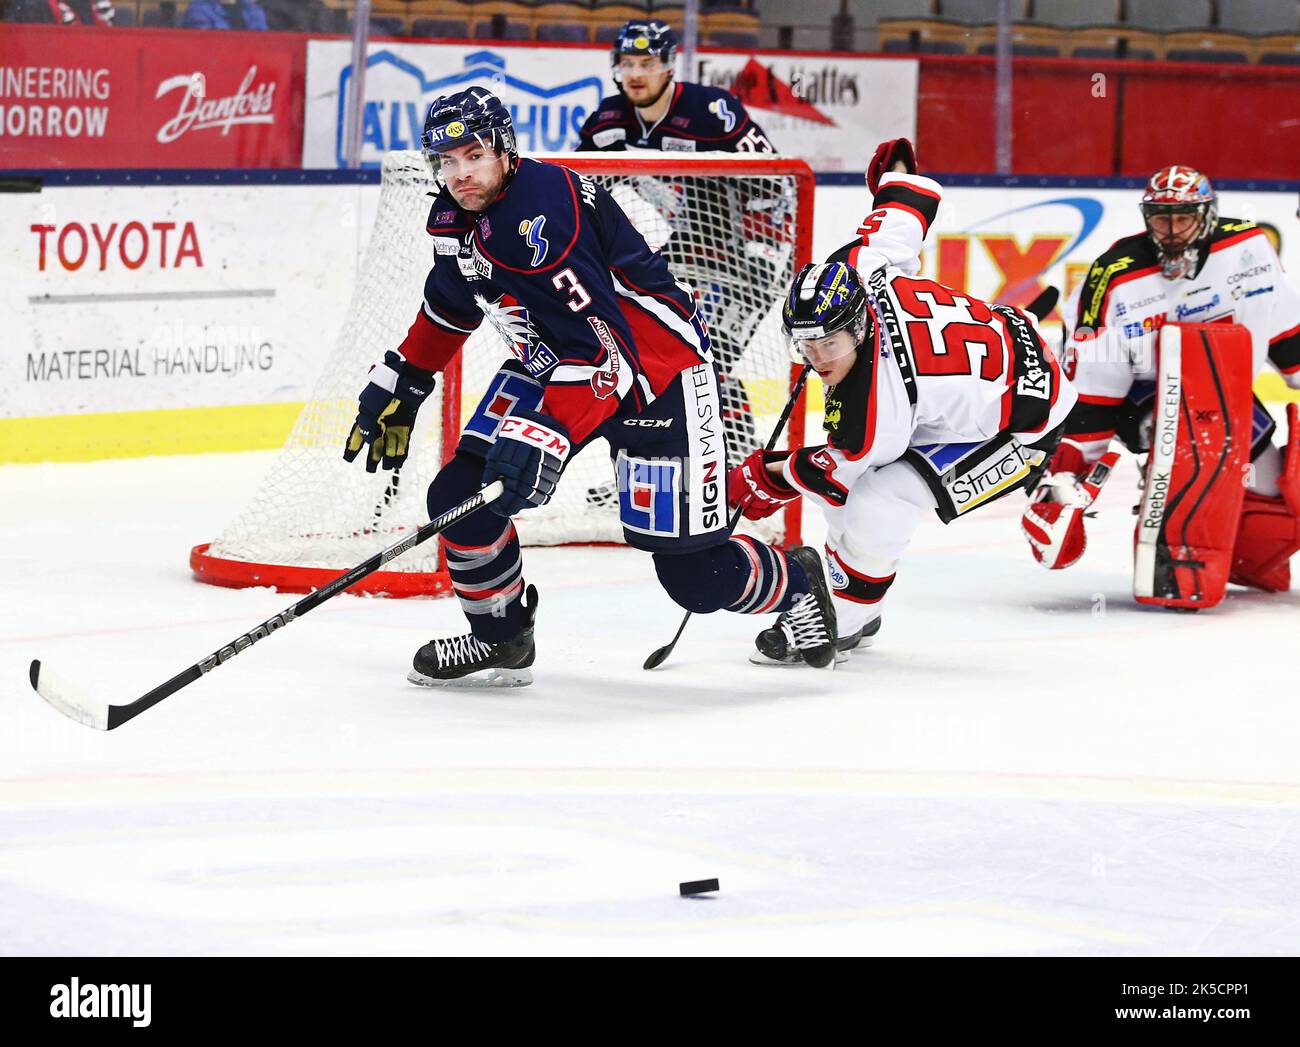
1222, 31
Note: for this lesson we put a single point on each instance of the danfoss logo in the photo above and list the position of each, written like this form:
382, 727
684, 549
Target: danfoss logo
250, 104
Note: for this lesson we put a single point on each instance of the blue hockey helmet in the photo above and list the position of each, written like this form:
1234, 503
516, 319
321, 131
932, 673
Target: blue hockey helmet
644, 36
454, 120
823, 299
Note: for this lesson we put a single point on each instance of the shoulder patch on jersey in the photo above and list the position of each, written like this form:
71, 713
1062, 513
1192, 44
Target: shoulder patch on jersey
1231, 227
1125, 255
609, 136
1232, 231
719, 108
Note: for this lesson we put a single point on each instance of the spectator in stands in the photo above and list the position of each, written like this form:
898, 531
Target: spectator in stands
294, 16
65, 12
210, 14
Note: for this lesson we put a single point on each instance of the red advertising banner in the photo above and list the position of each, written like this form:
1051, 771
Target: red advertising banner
94, 97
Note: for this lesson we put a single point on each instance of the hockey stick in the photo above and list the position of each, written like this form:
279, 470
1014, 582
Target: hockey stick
103, 717
660, 654
1044, 303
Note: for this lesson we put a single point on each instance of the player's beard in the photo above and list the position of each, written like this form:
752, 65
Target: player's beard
649, 102
484, 196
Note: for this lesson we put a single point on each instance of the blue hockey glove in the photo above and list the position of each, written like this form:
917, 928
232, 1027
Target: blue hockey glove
528, 457
386, 415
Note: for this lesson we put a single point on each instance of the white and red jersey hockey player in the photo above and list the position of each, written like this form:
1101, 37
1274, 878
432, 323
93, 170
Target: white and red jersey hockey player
1189, 267
935, 401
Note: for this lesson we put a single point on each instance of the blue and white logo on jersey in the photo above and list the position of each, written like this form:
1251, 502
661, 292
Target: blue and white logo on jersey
507, 393
718, 108
516, 329
531, 230
647, 494
401, 82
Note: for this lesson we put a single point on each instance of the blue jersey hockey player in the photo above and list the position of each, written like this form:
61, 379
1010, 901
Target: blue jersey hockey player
612, 338
652, 110
655, 111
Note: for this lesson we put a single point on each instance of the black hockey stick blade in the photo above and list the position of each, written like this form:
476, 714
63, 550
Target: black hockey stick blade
1044, 303
77, 705
660, 654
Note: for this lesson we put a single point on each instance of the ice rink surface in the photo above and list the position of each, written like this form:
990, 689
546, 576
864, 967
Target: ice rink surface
1025, 763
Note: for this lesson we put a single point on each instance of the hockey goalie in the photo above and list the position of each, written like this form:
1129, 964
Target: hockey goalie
1169, 329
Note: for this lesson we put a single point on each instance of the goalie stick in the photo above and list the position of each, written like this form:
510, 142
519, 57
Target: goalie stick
660, 654
103, 717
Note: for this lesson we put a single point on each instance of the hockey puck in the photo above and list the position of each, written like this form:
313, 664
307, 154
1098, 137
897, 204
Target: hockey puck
697, 887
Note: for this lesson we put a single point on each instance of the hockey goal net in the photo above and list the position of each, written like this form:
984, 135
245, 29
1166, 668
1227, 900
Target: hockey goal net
735, 229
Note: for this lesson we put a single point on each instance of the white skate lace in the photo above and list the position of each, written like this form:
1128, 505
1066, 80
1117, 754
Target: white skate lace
804, 625
460, 649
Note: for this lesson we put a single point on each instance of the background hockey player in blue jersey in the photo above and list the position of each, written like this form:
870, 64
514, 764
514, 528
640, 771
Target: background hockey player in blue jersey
613, 342
655, 111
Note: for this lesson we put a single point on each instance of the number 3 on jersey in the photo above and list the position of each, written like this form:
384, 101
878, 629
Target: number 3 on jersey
578, 297
970, 326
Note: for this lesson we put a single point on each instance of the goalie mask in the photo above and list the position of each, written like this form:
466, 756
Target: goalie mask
825, 300
1181, 210
644, 38
460, 119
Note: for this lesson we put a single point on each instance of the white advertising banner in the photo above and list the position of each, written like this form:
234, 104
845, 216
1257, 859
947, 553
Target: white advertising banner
1006, 244
128, 298
830, 111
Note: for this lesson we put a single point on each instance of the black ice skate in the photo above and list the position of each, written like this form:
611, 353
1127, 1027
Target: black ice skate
464, 661
774, 647
805, 634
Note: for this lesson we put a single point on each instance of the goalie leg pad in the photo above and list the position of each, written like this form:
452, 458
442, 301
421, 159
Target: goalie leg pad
1195, 480
1269, 531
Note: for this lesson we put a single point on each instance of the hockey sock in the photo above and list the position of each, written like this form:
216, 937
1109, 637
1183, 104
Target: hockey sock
740, 575
857, 593
489, 582
483, 555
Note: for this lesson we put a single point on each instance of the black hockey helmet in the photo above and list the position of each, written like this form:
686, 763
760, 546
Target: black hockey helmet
457, 119
1179, 189
644, 36
824, 298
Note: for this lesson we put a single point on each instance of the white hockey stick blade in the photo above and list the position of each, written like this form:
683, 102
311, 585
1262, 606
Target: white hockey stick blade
68, 701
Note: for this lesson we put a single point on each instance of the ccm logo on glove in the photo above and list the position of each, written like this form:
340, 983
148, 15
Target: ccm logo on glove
530, 432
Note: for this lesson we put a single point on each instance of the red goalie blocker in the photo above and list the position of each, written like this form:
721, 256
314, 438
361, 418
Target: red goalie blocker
1196, 470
